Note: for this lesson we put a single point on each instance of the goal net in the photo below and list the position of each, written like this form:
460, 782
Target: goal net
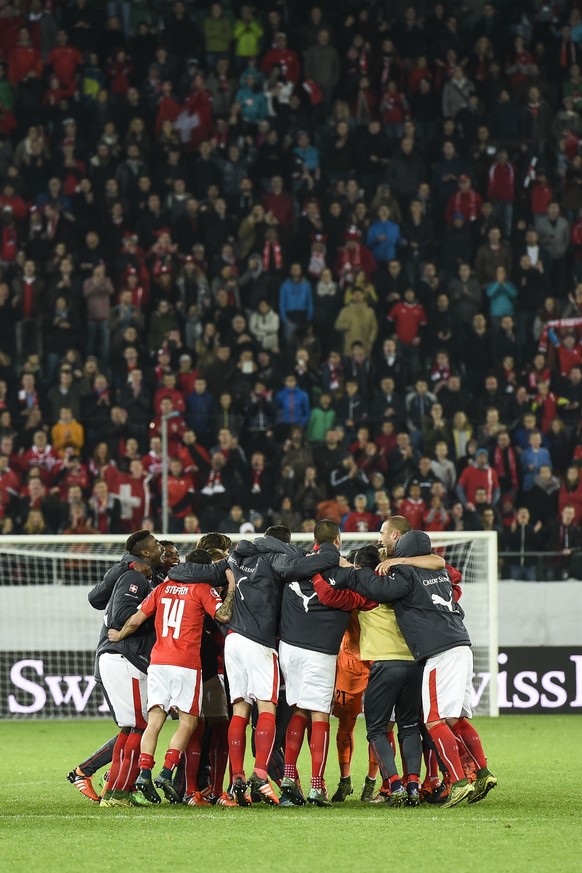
48, 630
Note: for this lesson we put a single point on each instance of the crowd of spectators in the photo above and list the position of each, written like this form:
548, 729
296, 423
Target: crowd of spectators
337, 246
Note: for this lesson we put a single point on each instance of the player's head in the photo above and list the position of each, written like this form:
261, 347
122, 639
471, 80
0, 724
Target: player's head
198, 556
143, 545
367, 556
215, 540
327, 531
412, 544
171, 555
217, 554
280, 532
351, 556
391, 531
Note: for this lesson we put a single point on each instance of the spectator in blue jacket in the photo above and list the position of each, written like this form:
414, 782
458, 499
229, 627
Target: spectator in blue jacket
533, 458
295, 302
501, 293
292, 404
254, 107
199, 409
383, 236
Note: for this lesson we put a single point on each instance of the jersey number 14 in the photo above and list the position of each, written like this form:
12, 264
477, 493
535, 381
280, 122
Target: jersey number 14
173, 614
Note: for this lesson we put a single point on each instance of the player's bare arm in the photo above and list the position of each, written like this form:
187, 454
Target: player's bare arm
423, 562
130, 627
224, 612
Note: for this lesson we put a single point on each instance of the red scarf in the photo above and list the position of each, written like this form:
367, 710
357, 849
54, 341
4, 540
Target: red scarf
499, 465
272, 249
29, 298
256, 488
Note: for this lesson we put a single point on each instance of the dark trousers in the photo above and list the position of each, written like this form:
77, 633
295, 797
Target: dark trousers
394, 684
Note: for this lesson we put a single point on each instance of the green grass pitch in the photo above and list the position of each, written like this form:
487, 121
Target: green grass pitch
531, 822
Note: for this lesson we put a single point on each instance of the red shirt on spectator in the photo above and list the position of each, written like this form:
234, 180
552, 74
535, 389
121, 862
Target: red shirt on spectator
65, 60
414, 511
501, 182
24, 59
408, 318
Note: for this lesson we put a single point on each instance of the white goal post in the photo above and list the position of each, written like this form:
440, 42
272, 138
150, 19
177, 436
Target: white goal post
48, 630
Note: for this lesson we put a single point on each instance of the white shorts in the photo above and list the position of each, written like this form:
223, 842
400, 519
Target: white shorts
126, 689
214, 698
309, 677
447, 683
174, 686
252, 670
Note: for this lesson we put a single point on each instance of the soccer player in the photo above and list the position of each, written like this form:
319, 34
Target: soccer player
250, 652
122, 667
432, 624
81, 775
175, 672
393, 691
351, 679
311, 635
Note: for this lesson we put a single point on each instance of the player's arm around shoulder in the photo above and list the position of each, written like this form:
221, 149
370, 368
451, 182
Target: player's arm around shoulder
211, 574
326, 558
422, 562
382, 589
224, 611
335, 598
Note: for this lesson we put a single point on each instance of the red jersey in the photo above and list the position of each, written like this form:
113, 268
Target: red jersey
360, 522
413, 511
172, 394
408, 318
479, 477
46, 460
179, 620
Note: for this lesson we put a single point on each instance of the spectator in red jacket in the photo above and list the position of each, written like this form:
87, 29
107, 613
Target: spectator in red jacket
479, 475
65, 60
466, 201
279, 203
170, 390
283, 57
180, 495
413, 507
24, 62
501, 190
360, 521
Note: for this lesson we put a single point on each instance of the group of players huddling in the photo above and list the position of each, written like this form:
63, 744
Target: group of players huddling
288, 636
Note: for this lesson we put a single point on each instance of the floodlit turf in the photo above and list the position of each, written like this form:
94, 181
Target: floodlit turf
531, 822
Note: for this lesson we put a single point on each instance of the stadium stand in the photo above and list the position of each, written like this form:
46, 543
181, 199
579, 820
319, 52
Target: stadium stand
338, 246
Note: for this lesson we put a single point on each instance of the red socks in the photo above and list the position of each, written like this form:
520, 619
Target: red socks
192, 758
432, 767
237, 744
448, 750
319, 746
129, 768
264, 742
218, 755
116, 759
172, 759
465, 731
293, 742
146, 762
